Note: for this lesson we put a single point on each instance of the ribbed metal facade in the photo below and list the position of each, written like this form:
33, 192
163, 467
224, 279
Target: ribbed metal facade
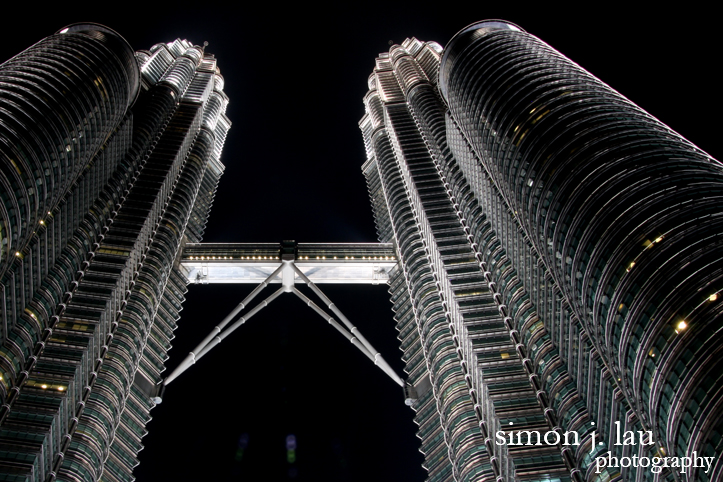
461, 361
559, 261
109, 160
621, 216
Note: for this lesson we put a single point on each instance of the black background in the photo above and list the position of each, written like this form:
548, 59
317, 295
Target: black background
295, 78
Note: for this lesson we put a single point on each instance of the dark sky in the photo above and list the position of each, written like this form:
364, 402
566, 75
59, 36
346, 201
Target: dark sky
295, 78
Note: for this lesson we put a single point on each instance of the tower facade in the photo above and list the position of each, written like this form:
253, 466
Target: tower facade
109, 159
558, 263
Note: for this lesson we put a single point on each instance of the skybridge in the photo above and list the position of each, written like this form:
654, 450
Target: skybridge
365, 263
287, 264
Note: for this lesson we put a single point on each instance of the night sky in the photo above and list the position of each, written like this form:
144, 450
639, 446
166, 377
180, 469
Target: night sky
295, 78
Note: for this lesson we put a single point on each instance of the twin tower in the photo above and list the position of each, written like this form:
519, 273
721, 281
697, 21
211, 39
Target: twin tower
553, 255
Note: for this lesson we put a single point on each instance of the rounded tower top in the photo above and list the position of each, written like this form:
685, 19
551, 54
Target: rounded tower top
118, 45
462, 39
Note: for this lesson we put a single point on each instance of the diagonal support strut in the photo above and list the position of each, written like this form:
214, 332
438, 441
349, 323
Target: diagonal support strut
286, 269
377, 357
196, 353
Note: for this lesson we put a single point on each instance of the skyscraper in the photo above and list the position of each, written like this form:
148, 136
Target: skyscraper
559, 264
109, 160
86, 76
